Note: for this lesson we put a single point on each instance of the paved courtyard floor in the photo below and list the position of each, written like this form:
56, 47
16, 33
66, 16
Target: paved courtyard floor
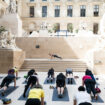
17, 98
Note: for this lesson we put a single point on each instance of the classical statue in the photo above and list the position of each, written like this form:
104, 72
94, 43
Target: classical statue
12, 6
3, 39
7, 40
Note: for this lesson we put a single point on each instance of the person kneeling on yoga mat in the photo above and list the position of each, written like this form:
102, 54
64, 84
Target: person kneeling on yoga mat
36, 96
7, 80
50, 75
32, 80
60, 84
69, 75
90, 85
82, 97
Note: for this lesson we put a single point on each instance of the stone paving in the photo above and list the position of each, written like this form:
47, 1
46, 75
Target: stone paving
72, 89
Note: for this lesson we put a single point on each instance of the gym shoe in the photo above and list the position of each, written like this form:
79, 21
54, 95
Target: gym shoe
47, 81
6, 101
68, 82
60, 95
51, 80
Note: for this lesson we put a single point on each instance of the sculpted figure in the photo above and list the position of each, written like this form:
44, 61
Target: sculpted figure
7, 40
3, 39
12, 6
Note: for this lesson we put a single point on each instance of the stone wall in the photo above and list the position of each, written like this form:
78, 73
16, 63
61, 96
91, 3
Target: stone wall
10, 59
99, 61
68, 48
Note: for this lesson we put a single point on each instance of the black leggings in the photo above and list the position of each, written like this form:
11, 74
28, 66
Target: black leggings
32, 81
90, 86
33, 102
85, 103
5, 82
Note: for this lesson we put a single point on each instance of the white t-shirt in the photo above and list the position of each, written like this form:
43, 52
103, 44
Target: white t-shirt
82, 96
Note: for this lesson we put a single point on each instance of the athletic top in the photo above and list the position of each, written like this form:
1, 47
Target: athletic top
86, 77
15, 69
36, 93
60, 80
82, 97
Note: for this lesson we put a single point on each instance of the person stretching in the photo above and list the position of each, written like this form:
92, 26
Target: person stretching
32, 80
50, 75
90, 84
7, 80
82, 97
54, 56
60, 84
36, 96
69, 75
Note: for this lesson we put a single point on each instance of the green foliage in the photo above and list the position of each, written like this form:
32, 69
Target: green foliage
49, 31
76, 30
2, 29
70, 28
55, 27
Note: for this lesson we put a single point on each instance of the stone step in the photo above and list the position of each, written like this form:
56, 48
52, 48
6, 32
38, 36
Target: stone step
57, 70
58, 65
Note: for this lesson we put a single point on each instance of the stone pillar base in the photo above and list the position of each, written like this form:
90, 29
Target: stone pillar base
10, 58
99, 61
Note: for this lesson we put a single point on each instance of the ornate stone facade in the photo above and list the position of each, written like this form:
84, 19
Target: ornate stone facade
31, 12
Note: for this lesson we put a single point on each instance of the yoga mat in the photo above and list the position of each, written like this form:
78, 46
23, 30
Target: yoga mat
65, 96
99, 100
10, 90
24, 82
21, 98
53, 82
1, 77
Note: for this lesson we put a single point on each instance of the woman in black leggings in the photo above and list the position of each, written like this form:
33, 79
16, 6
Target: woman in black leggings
31, 81
7, 80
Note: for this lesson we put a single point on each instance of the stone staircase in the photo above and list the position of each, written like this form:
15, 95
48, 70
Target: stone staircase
43, 65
